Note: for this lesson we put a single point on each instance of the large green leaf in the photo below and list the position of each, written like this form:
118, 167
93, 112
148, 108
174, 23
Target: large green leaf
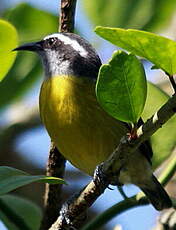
16, 210
31, 24
136, 14
157, 49
11, 178
163, 141
121, 87
8, 40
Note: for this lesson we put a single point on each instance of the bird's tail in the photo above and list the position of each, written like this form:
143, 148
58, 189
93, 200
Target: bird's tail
157, 195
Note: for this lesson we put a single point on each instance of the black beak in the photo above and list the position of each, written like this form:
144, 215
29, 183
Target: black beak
33, 46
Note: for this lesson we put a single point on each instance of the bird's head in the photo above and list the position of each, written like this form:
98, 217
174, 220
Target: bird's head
66, 54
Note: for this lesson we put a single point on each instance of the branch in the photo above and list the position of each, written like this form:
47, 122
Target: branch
138, 200
53, 198
56, 162
127, 147
70, 214
67, 18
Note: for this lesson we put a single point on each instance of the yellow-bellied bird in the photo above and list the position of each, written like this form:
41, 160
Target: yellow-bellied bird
82, 131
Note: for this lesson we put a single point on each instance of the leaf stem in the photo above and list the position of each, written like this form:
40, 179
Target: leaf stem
169, 171
115, 210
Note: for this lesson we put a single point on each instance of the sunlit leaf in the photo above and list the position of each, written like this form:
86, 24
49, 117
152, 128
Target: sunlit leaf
12, 206
11, 178
163, 141
121, 87
8, 40
157, 49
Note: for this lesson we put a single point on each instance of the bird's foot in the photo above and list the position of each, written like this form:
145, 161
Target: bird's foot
99, 177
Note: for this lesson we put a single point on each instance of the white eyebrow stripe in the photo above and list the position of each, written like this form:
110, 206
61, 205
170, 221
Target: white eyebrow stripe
67, 41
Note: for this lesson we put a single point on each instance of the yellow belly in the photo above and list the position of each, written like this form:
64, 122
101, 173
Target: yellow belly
80, 129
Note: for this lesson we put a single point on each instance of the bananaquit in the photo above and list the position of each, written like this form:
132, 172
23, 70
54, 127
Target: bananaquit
82, 131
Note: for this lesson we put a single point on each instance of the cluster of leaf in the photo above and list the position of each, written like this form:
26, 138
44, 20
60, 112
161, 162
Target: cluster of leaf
150, 15
122, 87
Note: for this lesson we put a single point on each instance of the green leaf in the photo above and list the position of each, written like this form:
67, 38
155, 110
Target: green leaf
157, 49
19, 208
162, 15
136, 14
31, 23
121, 87
8, 40
11, 178
163, 141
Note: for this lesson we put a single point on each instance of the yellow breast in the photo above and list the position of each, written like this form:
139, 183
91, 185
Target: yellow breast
81, 130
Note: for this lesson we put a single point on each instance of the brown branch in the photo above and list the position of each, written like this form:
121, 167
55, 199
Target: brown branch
67, 18
70, 214
56, 162
74, 210
53, 198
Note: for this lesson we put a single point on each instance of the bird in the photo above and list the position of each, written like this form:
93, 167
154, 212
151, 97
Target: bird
79, 127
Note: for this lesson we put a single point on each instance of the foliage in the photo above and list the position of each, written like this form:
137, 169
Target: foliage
11, 178
148, 15
6, 56
152, 47
26, 213
26, 70
157, 49
122, 88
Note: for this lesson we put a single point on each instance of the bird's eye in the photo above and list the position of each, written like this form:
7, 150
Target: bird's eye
51, 42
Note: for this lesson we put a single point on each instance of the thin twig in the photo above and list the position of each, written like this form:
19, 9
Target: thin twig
116, 209
56, 162
67, 18
112, 166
